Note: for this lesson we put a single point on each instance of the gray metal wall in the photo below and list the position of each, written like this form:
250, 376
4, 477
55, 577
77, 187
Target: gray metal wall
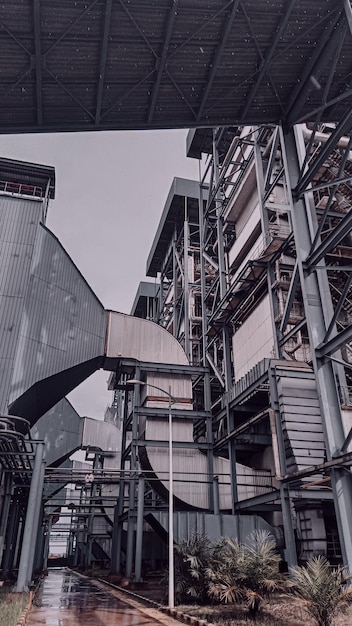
19, 223
62, 326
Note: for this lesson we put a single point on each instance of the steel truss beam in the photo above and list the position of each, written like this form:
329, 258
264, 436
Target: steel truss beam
228, 23
38, 61
266, 60
323, 52
103, 57
160, 63
305, 179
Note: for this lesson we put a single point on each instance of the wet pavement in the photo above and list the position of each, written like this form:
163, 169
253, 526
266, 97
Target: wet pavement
67, 599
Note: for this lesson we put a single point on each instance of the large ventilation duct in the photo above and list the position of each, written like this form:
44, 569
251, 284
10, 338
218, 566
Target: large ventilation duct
65, 335
64, 432
145, 341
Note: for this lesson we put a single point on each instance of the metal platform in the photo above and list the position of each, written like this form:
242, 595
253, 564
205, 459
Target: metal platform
139, 64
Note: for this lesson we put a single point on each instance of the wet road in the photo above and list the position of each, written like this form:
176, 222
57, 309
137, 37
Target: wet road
66, 599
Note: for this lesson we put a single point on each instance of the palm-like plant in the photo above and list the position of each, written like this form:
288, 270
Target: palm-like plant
191, 560
321, 588
249, 572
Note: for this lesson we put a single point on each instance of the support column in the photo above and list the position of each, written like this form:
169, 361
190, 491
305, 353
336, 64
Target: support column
37, 519
139, 532
341, 479
116, 548
290, 544
186, 283
206, 380
226, 339
47, 544
11, 539
29, 529
132, 483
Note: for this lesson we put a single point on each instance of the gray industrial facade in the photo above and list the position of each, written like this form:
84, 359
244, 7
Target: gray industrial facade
247, 322
223, 328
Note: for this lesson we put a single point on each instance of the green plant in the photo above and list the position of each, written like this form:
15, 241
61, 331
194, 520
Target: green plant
11, 606
191, 559
247, 572
321, 588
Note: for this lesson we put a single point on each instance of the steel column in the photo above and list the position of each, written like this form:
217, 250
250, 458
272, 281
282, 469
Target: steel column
5, 508
29, 529
225, 328
11, 539
186, 282
290, 551
206, 380
328, 394
139, 531
37, 518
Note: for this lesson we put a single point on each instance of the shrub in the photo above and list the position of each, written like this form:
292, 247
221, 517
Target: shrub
247, 572
321, 588
191, 560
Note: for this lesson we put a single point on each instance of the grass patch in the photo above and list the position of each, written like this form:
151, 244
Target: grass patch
11, 606
279, 611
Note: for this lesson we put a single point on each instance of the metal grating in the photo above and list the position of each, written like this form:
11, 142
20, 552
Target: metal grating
136, 64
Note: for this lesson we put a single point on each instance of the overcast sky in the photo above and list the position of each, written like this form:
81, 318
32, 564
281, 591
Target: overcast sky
111, 188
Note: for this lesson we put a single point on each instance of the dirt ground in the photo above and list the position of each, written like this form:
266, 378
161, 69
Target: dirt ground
280, 611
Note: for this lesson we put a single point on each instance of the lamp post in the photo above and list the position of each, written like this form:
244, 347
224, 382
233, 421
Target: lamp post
135, 381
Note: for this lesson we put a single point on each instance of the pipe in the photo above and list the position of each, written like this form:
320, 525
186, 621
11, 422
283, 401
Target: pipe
323, 137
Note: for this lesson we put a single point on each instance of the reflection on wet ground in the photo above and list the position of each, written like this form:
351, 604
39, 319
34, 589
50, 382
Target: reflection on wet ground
67, 599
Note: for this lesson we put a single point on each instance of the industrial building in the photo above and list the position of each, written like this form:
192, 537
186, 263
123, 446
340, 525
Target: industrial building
228, 287
235, 362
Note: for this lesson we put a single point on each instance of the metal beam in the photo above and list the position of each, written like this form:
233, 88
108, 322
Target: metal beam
38, 61
217, 56
348, 13
339, 306
330, 347
315, 304
103, 56
310, 79
339, 232
162, 60
273, 496
267, 59
343, 128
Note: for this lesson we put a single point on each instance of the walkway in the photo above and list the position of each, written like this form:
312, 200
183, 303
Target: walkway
67, 599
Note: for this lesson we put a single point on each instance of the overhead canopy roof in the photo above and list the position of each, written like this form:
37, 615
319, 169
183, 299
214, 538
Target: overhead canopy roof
130, 64
30, 178
172, 219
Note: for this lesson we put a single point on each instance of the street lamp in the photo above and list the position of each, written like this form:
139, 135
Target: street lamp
135, 381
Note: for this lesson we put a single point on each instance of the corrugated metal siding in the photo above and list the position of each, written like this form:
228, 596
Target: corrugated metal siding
19, 221
301, 422
61, 430
136, 338
253, 341
63, 323
214, 526
191, 478
103, 435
